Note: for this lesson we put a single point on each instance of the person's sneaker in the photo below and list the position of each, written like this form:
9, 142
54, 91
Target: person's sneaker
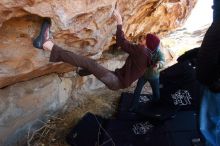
83, 72
43, 35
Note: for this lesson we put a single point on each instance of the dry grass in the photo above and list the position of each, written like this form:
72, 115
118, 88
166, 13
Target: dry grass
101, 102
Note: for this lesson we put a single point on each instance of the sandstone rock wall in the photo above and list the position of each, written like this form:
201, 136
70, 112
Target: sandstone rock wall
83, 26
24, 105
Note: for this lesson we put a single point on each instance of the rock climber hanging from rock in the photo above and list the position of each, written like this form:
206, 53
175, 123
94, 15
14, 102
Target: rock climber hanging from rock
133, 68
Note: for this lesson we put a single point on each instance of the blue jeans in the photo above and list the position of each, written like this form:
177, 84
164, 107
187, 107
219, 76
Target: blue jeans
155, 85
210, 117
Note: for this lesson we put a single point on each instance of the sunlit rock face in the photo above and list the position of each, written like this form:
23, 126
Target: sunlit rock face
181, 40
83, 26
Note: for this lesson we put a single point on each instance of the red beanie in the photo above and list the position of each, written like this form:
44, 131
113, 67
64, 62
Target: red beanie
152, 42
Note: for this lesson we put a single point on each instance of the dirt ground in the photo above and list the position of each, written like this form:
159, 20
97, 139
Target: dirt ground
103, 102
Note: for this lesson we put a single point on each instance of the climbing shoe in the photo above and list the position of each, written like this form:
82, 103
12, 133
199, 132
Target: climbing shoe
43, 35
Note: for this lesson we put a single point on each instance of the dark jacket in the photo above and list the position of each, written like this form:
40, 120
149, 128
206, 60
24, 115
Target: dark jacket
208, 68
136, 63
207, 59
216, 11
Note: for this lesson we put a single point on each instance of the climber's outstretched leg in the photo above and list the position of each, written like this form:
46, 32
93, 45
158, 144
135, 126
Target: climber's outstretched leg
103, 74
59, 54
